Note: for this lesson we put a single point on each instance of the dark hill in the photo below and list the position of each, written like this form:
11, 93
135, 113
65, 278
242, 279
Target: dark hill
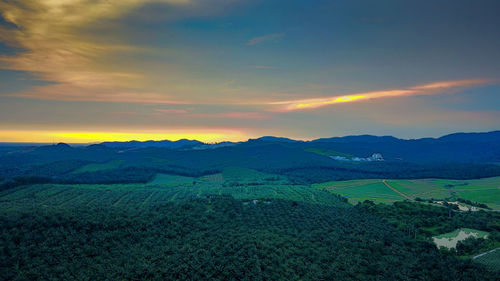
164, 143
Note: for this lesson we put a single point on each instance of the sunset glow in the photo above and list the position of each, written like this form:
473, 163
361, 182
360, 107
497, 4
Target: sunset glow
90, 137
427, 89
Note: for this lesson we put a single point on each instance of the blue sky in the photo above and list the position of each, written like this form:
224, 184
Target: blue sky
235, 69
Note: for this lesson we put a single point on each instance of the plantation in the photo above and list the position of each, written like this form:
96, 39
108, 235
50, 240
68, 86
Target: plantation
490, 260
115, 233
148, 217
178, 227
126, 195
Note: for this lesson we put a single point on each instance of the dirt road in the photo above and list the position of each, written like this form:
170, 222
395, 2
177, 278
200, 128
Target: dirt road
397, 191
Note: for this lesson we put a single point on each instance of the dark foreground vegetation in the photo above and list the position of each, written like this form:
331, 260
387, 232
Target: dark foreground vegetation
217, 238
422, 221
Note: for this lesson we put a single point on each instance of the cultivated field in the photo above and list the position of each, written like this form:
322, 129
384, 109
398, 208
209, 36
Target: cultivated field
491, 260
485, 191
360, 190
239, 183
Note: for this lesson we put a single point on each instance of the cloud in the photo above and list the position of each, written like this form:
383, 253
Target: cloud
258, 40
426, 89
188, 113
53, 45
232, 115
243, 115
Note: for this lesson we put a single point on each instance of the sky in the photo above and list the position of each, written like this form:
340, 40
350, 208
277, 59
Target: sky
214, 70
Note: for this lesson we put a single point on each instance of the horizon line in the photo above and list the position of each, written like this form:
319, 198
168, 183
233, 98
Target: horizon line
239, 141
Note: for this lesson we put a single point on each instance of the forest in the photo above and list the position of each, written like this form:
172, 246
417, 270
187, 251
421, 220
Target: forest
218, 238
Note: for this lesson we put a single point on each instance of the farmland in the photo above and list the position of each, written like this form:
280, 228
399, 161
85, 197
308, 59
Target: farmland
485, 190
188, 215
239, 183
490, 260
360, 190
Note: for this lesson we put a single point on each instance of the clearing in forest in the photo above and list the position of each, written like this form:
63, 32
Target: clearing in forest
450, 240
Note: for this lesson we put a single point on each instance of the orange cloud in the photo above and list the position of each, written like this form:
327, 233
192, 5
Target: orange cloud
426, 89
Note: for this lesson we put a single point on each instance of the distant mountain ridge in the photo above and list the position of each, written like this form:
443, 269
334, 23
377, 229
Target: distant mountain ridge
478, 137
493, 136
150, 143
452, 148
455, 156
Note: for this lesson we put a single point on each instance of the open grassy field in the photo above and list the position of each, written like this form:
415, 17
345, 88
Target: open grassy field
360, 190
485, 191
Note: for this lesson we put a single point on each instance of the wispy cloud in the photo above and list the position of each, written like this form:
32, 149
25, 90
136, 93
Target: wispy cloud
426, 89
243, 115
251, 115
53, 46
267, 37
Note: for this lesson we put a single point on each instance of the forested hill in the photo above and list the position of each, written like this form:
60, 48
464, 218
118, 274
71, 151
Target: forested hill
458, 147
458, 156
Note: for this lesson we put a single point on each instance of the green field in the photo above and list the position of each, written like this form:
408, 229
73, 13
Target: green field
485, 191
490, 260
360, 190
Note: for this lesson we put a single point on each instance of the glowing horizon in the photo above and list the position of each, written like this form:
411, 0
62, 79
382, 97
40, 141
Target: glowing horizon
28, 136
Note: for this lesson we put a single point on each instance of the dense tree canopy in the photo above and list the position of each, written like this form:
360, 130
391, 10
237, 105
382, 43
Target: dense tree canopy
217, 238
